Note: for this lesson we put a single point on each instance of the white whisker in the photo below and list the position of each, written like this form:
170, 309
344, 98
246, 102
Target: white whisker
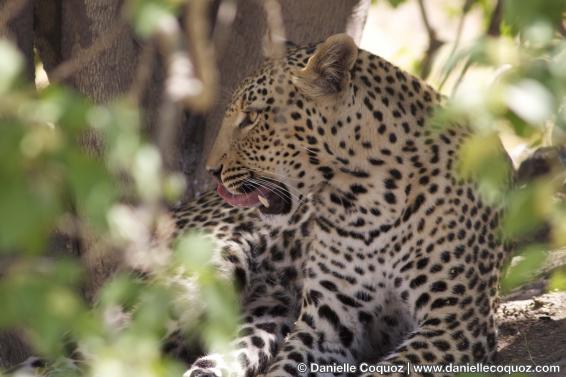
269, 184
269, 173
277, 191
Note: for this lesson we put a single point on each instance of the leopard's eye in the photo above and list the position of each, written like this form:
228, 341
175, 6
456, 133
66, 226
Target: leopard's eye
250, 117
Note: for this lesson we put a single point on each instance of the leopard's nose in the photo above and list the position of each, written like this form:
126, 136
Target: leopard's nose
216, 171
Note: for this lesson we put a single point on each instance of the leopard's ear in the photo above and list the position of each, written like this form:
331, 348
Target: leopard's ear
328, 69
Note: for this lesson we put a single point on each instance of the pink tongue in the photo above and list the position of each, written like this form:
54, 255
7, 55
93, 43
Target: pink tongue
241, 200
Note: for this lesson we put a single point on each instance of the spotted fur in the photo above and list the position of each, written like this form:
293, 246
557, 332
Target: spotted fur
381, 254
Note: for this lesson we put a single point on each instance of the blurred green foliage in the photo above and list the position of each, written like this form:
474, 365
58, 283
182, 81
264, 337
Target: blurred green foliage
558, 281
527, 98
51, 184
147, 15
524, 267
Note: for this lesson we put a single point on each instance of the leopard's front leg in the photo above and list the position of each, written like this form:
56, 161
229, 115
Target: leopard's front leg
321, 337
270, 310
328, 328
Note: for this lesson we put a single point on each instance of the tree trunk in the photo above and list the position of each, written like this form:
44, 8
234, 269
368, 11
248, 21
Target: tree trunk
66, 29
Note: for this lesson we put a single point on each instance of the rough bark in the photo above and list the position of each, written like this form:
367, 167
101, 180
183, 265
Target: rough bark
304, 22
82, 24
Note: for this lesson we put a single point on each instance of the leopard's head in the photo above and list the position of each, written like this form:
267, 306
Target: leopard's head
270, 151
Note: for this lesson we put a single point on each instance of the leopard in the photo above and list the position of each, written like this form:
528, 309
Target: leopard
341, 216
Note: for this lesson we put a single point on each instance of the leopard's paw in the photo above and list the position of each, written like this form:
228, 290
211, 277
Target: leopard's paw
208, 366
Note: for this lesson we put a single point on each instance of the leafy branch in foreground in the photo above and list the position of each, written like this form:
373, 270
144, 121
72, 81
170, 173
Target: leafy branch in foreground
53, 189
527, 100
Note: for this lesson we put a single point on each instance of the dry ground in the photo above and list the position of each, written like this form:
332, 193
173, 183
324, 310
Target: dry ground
532, 328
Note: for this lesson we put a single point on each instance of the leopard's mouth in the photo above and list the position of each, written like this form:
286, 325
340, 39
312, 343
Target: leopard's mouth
272, 200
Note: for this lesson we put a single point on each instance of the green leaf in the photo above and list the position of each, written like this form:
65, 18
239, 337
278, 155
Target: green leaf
146, 171
530, 100
526, 208
148, 15
222, 314
557, 281
121, 290
519, 126
152, 313
523, 267
27, 216
194, 252
396, 3
40, 297
11, 65
92, 185
173, 187
520, 14
482, 158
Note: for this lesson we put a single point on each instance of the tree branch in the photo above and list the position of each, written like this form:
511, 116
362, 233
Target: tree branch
495, 21
143, 72
434, 43
492, 30
465, 9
